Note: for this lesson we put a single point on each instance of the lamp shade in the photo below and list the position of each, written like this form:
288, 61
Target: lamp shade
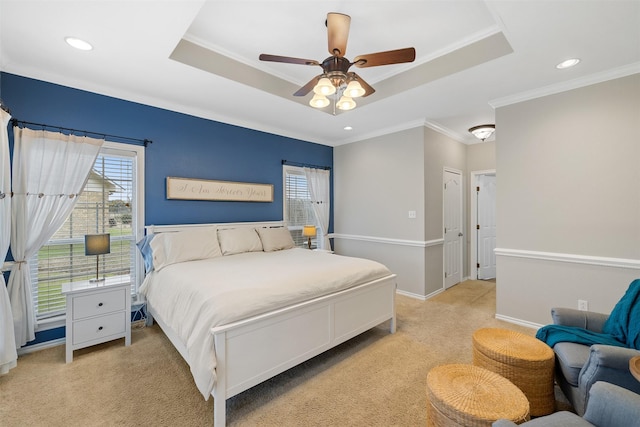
309, 230
324, 87
97, 244
319, 101
346, 103
354, 89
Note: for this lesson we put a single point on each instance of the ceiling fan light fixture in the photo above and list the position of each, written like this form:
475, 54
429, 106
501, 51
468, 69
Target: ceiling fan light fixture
345, 103
482, 132
324, 87
354, 89
319, 101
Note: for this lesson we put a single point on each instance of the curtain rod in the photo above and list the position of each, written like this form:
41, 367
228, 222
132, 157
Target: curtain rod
16, 122
305, 165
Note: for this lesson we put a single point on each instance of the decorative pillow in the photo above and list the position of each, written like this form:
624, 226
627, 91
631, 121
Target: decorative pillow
146, 252
239, 240
275, 238
182, 246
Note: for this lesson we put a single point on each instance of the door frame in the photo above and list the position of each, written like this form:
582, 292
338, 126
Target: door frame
462, 227
473, 219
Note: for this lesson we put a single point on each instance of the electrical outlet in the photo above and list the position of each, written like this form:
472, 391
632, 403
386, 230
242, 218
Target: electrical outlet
583, 305
412, 214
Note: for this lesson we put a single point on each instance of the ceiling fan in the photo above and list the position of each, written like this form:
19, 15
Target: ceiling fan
336, 77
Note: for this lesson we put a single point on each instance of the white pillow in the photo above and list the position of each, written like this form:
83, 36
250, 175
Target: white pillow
182, 246
239, 240
275, 238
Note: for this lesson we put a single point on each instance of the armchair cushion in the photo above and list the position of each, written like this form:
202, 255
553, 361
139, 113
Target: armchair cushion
557, 419
571, 358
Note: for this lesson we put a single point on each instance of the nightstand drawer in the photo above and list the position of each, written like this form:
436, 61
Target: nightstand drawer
99, 303
99, 327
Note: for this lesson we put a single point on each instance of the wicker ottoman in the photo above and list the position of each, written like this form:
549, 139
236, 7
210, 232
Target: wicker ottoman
525, 361
469, 396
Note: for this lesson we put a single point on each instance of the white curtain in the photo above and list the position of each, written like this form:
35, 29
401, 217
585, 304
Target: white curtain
318, 182
8, 355
50, 170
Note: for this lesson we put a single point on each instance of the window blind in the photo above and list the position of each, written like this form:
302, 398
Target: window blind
297, 204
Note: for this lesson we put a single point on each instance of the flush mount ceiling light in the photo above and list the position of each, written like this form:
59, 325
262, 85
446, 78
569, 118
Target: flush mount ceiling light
568, 63
78, 43
336, 80
482, 132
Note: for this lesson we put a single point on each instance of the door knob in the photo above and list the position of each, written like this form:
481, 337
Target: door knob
460, 234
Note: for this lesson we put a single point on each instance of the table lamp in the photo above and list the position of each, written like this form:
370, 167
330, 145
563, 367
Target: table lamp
309, 231
97, 244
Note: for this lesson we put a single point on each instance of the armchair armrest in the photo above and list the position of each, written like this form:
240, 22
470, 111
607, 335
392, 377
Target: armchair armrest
580, 319
610, 405
609, 364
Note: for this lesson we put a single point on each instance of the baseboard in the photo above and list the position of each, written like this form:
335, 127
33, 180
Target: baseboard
410, 295
520, 322
41, 346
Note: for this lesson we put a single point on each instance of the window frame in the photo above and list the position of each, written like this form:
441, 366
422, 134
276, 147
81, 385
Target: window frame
137, 153
296, 170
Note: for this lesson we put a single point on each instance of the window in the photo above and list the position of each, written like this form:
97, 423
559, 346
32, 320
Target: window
298, 211
111, 202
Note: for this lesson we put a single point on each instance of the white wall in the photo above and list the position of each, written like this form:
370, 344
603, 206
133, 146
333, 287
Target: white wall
376, 183
568, 199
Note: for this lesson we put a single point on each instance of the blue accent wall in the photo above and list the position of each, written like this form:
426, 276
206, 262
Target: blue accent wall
183, 146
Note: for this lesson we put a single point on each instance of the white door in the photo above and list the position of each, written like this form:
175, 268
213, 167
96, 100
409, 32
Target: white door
452, 228
486, 227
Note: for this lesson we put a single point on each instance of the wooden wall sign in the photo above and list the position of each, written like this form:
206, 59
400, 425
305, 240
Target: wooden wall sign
204, 189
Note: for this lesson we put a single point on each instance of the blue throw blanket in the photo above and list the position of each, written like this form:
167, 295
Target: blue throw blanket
621, 329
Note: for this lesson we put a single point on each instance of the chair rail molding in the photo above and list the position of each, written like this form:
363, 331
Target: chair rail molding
388, 241
570, 258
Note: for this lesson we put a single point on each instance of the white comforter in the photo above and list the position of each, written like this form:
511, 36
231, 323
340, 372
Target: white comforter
195, 296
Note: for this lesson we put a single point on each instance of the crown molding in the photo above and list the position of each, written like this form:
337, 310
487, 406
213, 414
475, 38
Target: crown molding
604, 76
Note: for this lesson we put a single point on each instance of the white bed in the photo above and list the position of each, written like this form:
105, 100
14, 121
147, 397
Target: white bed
234, 337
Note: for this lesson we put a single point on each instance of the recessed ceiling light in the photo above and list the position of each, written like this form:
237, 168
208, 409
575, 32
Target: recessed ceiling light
568, 63
78, 43
348, 128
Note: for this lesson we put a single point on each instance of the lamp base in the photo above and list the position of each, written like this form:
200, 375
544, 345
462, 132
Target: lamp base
96, 281
309, 243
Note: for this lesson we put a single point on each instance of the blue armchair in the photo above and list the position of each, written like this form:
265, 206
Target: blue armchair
579, 366
609, 406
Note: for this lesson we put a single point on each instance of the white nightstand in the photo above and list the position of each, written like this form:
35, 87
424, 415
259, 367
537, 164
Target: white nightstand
97, 313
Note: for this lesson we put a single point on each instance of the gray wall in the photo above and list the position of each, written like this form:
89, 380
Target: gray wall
568, 200
377, 181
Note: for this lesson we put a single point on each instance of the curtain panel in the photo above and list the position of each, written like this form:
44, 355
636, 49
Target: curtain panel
319, 188
50, 170
8, 354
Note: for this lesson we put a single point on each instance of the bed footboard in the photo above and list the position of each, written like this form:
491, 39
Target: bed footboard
252, 351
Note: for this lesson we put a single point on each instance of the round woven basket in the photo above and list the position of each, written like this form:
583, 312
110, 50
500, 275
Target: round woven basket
469, 396
525, 361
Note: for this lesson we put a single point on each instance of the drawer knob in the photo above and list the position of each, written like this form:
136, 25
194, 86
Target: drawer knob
100, 328
100, 304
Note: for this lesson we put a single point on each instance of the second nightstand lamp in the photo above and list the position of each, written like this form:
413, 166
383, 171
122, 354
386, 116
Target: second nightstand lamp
97, 244
309, 231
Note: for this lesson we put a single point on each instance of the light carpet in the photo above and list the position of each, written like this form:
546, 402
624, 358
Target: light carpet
375, 379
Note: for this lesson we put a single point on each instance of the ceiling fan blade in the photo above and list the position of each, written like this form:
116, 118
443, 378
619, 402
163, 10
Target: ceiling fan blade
287, 59
385, 58
368, 90
338, 32
308, 87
